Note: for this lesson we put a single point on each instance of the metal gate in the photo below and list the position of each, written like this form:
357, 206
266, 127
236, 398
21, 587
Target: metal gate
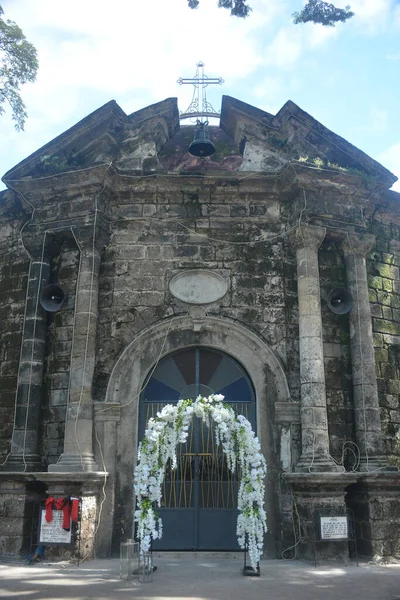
199, 500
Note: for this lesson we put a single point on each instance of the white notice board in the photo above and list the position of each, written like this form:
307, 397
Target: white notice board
53, 533
334, 528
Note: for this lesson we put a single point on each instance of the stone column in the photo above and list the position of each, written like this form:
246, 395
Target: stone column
25, 438
107, 416
314, 422
365, 390
78, 444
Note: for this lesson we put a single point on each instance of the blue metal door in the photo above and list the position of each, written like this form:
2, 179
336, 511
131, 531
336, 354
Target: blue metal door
199, 506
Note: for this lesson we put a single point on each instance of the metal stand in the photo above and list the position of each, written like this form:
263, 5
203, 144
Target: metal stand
145, 567
35, 519
129, 559
78, 529
248, 570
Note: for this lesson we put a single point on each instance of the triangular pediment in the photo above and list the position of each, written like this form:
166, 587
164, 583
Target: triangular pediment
269, 142
144, 140
106, 135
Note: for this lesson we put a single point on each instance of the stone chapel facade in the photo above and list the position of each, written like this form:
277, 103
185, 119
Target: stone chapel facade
185, 275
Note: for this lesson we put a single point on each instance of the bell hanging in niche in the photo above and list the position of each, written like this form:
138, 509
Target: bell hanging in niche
201, 146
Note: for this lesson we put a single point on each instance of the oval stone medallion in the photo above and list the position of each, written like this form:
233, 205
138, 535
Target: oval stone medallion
198, 286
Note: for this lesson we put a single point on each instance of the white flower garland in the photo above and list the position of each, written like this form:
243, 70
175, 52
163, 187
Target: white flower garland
240, 445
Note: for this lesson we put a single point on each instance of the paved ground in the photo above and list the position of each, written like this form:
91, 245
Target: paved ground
200, 578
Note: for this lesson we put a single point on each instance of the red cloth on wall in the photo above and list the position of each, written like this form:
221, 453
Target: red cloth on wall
69, 506
74, 509
49, 509
64, 505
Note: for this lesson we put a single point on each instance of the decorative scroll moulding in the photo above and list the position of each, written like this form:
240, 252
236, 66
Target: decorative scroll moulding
198, 286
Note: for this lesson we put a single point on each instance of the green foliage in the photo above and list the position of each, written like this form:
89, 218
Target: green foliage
315, 11
325, 13
238, 8
318, 162
18, 65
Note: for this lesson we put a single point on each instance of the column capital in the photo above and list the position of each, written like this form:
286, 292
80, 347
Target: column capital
307, 236
93, 236
357, 244
40, 244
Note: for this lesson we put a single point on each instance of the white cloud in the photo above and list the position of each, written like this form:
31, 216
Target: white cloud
376, 121
133, 52
379, 119
390, 158
131, 47
371, 15
292, 41
397, 15
285, 48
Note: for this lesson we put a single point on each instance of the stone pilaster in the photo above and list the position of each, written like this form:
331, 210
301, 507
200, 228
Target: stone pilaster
316, 495
78, 445
107, 416
314, 422
14, 537
25, 439
374, 499
365, 390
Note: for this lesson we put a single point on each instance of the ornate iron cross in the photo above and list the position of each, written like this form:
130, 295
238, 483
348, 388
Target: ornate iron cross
199, 106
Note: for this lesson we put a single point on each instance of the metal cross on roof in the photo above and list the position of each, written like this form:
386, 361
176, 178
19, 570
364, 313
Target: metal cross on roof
199, 106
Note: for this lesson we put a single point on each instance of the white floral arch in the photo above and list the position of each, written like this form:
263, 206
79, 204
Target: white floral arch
240, 446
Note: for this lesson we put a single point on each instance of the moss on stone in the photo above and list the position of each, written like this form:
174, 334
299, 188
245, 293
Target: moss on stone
385, 270
372, 295
387, 258
375, 282
377, 339
383, 298
344, 338
387, 285
383, 326
381, 355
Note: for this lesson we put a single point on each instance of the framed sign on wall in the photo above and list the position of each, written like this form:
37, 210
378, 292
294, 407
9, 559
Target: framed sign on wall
334, 527
52, 532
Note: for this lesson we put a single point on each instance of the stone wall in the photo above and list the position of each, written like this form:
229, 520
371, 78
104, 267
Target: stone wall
158, 229
337, 356
384, 287
58, 354
14, 267
158, 233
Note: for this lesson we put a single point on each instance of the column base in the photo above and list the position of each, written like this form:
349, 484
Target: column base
18, 463
74, 463
374, 499
317, 464
376, 464
316, 495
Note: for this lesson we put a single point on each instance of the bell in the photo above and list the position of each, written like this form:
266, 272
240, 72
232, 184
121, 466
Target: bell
340, 301
201, 146
52, 297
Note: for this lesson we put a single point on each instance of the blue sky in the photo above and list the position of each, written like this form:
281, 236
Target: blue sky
133, 51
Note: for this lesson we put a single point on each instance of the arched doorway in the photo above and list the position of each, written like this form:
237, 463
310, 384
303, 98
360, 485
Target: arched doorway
199, 506
120, 438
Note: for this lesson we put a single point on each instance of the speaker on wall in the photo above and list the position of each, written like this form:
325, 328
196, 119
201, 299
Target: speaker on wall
340, 301
52, 297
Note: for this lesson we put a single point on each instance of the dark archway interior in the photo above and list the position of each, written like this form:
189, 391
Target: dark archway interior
199, 506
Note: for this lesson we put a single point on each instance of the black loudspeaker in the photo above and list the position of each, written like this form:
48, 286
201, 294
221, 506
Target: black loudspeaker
52, 297
340, 301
